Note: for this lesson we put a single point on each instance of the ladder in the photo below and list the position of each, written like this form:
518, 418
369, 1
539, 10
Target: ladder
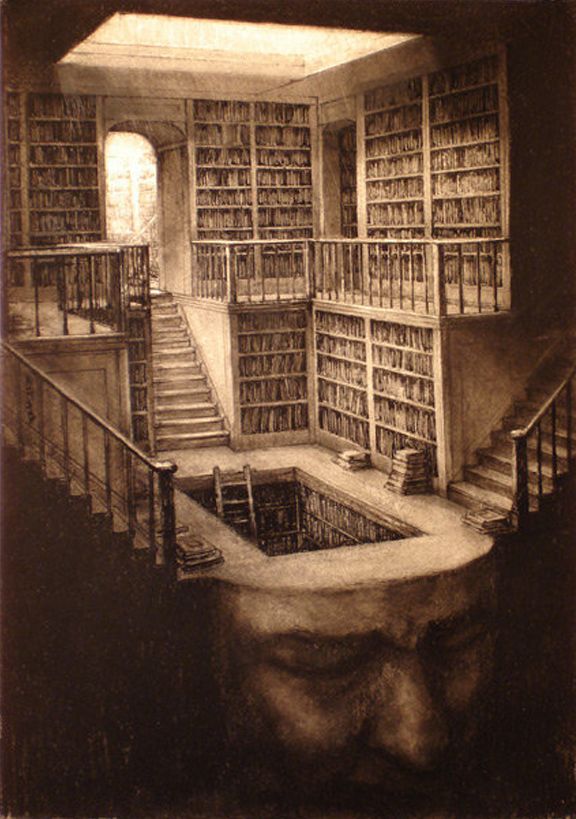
234, 499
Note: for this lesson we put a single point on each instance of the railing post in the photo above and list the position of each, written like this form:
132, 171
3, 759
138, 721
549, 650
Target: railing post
308, 272
520, 496
569, 422
166, 552
36, 298
436, 262
65, 440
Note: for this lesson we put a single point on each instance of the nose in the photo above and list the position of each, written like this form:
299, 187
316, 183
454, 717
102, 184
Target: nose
404, 720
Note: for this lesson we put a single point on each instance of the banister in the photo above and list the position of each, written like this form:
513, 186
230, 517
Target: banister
522, 432
157, 466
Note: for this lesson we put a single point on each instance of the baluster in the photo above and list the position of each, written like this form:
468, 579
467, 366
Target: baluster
539, 458
387, 249
554, 449
337, 272
86, 453
151, 511
292, 268
437, 265
521, 499
411, 273
424, 268
569, 422
65, 440
130, 494
165, 555
19, 408
275, 257
62, 270
400, 277
91, 275
494, 263
107, 473
308, 269
460, 271
36, 283
41, 424
478, 273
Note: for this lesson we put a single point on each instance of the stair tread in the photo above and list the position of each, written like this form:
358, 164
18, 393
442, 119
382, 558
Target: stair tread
185, 436
172, 422
482, 495
184, 407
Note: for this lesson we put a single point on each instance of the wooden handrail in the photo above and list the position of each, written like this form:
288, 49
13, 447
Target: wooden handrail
522, 432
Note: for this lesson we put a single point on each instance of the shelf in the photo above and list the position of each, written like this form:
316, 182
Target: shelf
396, 371
464, 90
36, 189
273, 352
396, 107
414, 175
271, 332
414, 435
221, 146
284, 168
283, 187
307, 206
272, 404
245, 378
61, 166
394, 201
341, 383
394, 227
393, 156
417, 404
342, 358
463, 118
385, 134
472, 144
224, 207
402, 349
224, 187
339, 335
282, 148
203, 167
450, 226
464, 169
287, 227
440, 196
343, 411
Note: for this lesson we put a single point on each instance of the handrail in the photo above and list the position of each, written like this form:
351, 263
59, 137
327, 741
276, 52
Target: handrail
157, 466
521, 432
424, 240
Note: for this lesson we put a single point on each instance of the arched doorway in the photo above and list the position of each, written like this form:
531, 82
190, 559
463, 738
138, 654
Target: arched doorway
172, 223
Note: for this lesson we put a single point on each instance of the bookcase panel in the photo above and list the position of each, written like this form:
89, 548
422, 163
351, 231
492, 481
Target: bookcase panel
14, 141
348, 192
63, 190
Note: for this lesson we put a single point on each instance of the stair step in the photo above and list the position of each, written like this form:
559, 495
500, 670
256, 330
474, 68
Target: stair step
519, 421
503, 437
173, 355
180, 397
177, 369
534, 406
472, 496
497, 482
176, 425
191, 440
189, 410
167, 344
179, 384
500, 458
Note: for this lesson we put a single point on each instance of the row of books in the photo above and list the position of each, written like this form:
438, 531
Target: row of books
397, 119
275, 196
339, 516
340, 324
401, 213
413, 186
344, 426
293, 177
231, 218
478, 72
464, 158
13, 154
223, 156
64, 178
222, 177
13, 104
348, 194
388, 442
283, 159
72, 220
401, 386
319, 535
284, 320
395, 166
282, 217
68, 238
65, 131
405, 417
264, 420
222, 198
78, 107
344, 398
392, 359
456, 211
71, 198
221, 110
15, 222
402, 335
469, 130
398, 94
285, 233
464, 103
468, 270
341, 346
275, 364
347, 372
291, 388
395, 144
281, 112
278, 135
466, 182
225, 135
63, 155
269, 342
15, 198
13, 130
395, 231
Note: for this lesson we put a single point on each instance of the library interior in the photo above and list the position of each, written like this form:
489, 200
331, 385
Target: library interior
288, 358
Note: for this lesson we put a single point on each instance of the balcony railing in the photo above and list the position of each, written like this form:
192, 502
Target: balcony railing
73, 444
74, 289
422, 276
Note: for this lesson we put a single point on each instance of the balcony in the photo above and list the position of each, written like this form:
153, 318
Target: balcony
448, 277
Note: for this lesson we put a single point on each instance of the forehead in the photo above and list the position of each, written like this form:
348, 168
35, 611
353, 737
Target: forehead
399, 609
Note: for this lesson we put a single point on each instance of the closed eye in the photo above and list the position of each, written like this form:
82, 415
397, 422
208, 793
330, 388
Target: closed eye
321, 657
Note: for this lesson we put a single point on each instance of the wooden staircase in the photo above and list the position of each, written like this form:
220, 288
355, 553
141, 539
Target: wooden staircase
235, 500
490, 481
186, 415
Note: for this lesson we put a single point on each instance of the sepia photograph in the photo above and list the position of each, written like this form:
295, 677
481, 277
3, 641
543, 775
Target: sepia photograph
288, 409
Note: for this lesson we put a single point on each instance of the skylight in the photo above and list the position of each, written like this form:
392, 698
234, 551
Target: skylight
222, 46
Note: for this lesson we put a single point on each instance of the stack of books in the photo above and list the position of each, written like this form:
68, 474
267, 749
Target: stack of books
409, 475
193, 553
488, 521
353, 459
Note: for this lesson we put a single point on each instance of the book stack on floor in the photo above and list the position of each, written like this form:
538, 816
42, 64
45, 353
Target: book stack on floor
193, 553
488, 521
353, 459
409, 475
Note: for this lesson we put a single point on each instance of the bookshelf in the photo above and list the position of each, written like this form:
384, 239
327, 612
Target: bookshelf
15, 148
341, 375
253, 170
435, 153
272, 372
348, 187
63, 168
403, 389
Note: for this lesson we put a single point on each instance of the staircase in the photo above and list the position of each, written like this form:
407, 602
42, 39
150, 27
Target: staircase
186, 415
489, 482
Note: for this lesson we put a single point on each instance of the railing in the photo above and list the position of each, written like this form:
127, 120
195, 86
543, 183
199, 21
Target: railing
73, 444
74, 289
425, 276
542, 451
252, 271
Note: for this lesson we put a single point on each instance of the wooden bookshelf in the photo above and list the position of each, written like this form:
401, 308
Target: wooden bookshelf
15, 149
272, 373
348, 185
63, 169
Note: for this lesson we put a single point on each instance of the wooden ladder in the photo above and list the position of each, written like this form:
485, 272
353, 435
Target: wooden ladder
238, 509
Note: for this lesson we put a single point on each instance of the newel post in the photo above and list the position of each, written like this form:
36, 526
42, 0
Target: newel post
166, 551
